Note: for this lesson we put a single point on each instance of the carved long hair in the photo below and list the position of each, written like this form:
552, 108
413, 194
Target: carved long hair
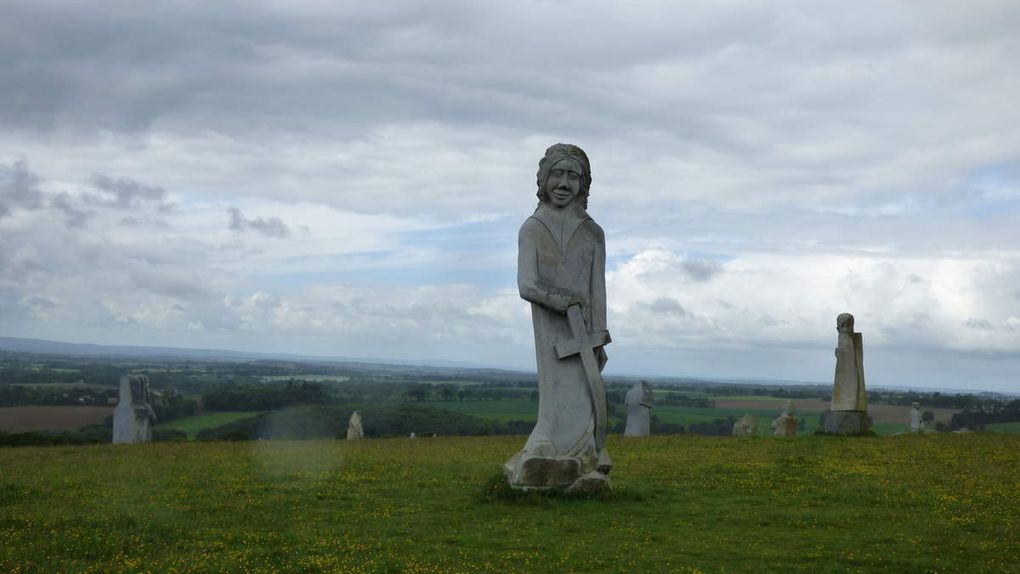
553, 155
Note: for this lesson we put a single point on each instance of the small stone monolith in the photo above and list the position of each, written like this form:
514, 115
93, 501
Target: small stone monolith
354, 429
745, 426
639, 410
133, 417
786, 424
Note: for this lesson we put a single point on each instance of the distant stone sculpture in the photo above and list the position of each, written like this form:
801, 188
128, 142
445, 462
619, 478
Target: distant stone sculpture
133, 417
639, 410
561, 271
847, 413
916, 424
745, 426
786, 424
354, 428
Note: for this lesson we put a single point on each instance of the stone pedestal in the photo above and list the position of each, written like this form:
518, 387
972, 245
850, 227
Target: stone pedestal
554, 473
846, 422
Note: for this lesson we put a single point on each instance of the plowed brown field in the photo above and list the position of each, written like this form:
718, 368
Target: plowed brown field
22, 419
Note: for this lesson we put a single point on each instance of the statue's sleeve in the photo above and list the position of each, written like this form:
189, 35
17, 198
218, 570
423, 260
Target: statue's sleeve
527, 273
598, 283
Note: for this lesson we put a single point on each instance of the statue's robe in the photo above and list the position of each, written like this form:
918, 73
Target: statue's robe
562, 253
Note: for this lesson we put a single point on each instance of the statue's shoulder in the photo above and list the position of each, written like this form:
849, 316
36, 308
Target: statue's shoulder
532, 226
595, 229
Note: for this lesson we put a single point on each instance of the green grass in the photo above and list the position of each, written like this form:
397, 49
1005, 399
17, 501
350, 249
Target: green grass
1008, 428
933, 503
192, 425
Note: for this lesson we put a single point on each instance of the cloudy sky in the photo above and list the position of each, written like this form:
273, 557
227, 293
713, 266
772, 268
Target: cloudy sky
348, 178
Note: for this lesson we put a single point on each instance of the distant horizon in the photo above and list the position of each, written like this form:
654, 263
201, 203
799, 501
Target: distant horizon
238, 355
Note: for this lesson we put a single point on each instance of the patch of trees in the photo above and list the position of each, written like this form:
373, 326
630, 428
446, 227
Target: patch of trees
977, 419
18, 396
265, 397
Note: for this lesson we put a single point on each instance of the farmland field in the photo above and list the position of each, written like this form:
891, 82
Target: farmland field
1008, 428
23, 419
191, 425
939, 503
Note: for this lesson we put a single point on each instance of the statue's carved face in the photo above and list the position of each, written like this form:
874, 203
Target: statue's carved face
564, 182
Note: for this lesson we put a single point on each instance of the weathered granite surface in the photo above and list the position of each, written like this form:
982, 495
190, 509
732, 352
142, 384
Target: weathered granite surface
916, 424
745, 426
561, 272
639, 410
848, 410
133, 417
846, 422
786, 424
848, 393
354, 429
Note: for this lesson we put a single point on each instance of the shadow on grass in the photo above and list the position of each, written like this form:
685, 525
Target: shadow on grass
497, 490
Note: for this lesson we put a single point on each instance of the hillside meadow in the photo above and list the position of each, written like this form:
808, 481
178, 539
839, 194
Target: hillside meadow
933, 503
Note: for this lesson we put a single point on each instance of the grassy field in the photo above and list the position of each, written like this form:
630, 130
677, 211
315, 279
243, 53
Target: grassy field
946, 503
1008, 428
192, 425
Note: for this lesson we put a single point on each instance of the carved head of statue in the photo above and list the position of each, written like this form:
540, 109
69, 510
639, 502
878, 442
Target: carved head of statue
564, 176
845, 323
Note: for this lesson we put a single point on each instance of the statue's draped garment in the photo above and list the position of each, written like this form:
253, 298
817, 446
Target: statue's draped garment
562, 253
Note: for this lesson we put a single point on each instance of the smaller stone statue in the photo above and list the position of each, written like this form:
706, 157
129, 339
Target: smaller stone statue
786, 424
354, 429
847, 413
746, 426
639, 410
133, 418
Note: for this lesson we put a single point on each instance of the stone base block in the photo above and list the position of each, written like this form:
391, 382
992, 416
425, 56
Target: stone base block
557, 472
592, 483
846, 422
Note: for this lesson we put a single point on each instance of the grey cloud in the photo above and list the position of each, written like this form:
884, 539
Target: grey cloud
701, 269
128, 193
669, 306
18, 188
270, 227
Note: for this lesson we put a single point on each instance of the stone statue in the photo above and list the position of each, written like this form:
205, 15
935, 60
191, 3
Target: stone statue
561, 272
786, 424
745, 426
354, 428
916, 422
639, 410
847, 413
133, 417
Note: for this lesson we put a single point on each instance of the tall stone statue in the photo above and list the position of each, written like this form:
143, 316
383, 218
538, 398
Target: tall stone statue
639, 410
786, 424
133, 417
847, 413
354, 429
561, 265
916, 420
